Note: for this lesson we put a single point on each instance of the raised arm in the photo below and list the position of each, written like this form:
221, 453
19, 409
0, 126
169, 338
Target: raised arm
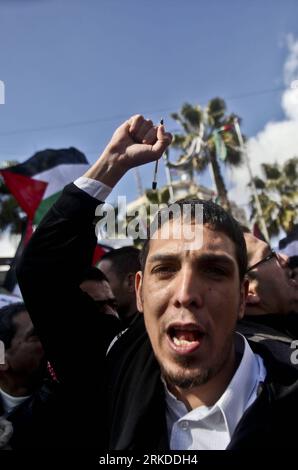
134, 143
74, 335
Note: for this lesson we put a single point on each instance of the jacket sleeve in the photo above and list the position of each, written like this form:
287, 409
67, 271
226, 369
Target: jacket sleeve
75, 336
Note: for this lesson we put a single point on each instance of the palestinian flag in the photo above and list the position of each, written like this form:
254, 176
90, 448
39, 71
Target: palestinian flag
225, 128
37, 183
99, 251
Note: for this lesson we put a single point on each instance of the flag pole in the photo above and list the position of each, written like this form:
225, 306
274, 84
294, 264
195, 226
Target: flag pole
168, 176
253, 186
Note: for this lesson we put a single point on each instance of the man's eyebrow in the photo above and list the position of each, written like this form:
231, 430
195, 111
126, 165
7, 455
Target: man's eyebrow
215, 258
163, 257
202, 258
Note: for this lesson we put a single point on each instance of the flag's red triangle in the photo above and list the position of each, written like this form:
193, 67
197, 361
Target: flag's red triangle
98, 253
27, 191
28, 231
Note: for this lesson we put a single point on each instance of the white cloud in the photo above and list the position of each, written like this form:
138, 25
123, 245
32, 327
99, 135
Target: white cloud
291, 64
278, 141
289, 102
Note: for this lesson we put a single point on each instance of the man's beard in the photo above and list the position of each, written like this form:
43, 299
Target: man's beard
187, 379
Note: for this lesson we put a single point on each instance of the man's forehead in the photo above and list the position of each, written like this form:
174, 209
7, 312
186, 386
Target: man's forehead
212, 241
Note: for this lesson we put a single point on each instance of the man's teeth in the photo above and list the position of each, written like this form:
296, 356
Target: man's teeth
182, 342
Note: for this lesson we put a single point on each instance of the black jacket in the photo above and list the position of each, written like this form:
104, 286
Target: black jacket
34, 422
126, 405
285, 325
280, 345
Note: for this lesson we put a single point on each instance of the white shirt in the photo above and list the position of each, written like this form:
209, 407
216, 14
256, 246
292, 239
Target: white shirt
211, 428
94, 188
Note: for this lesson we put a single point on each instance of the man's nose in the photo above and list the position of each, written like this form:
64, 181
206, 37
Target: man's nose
188, 291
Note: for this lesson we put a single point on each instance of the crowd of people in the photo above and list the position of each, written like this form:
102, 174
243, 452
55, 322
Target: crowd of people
184, 345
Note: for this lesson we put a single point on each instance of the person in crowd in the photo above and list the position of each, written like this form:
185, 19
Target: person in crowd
180, 371
24, 364
21, 372
35, 410
272, 299
97, 286
272, 288
120, 267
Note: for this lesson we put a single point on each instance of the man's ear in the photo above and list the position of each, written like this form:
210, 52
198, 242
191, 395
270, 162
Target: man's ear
131, 283
138, 287
243, 296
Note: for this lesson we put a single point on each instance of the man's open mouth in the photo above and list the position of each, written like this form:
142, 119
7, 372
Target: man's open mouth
185, 338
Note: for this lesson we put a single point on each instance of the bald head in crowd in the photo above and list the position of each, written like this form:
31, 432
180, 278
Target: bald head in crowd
120, 267
272, 287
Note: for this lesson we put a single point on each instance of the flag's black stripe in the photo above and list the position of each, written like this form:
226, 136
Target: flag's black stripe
47, 159
291, 237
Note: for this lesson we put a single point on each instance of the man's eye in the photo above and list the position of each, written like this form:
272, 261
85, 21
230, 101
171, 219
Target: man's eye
163, 270
215, 271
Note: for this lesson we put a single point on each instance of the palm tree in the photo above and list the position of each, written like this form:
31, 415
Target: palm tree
278, 195
208, 135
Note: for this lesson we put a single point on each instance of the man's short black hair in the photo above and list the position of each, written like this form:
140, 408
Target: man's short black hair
217, 219
7, 325
124, 260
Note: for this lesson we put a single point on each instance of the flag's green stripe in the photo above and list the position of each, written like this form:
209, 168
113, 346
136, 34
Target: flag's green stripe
44, 206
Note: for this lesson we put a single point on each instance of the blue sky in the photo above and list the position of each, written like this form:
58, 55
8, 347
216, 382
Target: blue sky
66, 61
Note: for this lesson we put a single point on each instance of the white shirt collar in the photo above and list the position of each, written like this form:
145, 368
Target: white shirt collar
241, 391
